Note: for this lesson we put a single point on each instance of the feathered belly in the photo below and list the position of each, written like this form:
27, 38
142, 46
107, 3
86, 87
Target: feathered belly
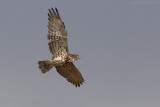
59, 58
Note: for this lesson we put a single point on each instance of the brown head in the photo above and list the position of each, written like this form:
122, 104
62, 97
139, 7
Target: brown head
72, 57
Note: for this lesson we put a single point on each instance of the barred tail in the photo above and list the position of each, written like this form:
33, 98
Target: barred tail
45, 66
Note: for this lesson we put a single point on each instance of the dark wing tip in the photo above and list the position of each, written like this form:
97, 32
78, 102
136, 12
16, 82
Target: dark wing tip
54, 13
78, 84
56, 8
57, 13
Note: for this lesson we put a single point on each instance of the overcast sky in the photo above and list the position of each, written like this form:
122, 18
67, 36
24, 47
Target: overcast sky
118, 42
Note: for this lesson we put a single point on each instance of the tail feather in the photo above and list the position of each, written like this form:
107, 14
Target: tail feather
45, 66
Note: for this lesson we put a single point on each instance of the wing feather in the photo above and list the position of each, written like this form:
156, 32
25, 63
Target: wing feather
71, 73
57, 34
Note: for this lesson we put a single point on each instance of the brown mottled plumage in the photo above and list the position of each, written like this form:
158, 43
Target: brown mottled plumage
58, 46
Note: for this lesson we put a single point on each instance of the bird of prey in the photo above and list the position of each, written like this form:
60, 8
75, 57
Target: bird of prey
62, 60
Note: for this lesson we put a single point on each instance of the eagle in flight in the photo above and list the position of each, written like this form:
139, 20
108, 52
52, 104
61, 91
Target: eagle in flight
58, 46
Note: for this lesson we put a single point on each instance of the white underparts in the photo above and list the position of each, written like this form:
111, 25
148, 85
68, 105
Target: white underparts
58, 58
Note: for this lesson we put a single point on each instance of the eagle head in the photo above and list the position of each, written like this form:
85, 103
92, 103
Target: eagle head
72, 57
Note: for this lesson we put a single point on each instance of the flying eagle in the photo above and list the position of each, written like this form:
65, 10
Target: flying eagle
58, 46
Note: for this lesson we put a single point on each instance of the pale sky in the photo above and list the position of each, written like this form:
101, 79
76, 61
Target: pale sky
118, 42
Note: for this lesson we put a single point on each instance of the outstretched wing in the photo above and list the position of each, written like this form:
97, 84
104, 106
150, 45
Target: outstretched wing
71, 73
57, 34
